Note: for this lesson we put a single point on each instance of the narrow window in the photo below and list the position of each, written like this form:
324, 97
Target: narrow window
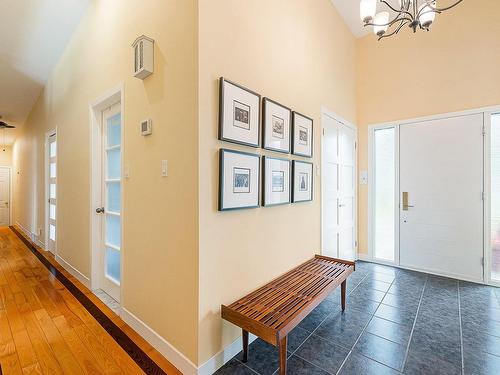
385, 185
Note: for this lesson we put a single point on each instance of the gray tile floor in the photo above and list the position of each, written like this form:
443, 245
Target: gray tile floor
396, 321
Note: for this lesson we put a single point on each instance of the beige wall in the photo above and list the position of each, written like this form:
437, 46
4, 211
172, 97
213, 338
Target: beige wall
5, 156
298, 53
160, 242
453, 67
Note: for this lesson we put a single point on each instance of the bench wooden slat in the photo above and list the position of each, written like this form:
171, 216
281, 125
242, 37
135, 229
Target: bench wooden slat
276, 308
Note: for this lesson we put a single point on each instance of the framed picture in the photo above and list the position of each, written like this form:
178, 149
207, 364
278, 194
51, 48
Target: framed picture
302, 185
276, 181
276, 126
302, 137
239, 180
239, 114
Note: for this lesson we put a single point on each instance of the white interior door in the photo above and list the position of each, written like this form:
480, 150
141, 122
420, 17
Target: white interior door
52, 192
338, 186
441, 170
4, 196
110, 209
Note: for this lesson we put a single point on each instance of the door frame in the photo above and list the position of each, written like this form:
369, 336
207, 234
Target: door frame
49, 134
113, 96
487, 112
10, 191
319, 171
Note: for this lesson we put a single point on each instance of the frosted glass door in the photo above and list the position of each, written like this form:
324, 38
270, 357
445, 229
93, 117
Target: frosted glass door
495, 197
112, 221
52, 200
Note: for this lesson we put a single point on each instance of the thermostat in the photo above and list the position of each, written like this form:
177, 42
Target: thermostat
146, 127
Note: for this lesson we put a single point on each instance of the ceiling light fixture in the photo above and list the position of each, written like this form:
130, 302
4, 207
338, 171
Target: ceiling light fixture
417, 14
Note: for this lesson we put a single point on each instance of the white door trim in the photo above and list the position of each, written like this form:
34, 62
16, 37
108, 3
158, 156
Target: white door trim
106, 100
10, 191
326, 112
487, 112
49, 134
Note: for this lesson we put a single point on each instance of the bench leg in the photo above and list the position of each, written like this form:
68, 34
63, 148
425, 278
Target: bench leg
342, 290
245, 346
282, 349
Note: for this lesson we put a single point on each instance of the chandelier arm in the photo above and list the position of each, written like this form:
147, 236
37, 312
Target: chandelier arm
400, 11
390, 23
403, 23
445, 8
400, 26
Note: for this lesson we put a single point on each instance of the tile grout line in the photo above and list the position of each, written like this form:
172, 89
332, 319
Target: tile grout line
414, 323
461, 334
363, 330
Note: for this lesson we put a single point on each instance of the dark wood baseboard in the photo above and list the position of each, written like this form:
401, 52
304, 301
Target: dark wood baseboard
140, 357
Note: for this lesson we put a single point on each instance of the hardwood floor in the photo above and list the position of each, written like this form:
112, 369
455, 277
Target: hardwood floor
44, 329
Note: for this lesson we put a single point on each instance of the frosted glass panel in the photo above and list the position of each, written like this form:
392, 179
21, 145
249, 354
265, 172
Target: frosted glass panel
113, 232
113, 264
114, 130
52, 191
113, 196
53, 149
52, 170
385, 178
52, 213
495, 197
113, 163
52, 232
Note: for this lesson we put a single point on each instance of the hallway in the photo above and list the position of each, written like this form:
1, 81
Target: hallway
44, 329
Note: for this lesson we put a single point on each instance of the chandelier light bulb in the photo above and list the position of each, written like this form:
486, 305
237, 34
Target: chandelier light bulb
381, 23
427, 15
367, 10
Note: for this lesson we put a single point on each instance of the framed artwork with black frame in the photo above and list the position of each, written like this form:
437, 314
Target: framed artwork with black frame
302, 135
276, 125
302, 182
239, 114
239, 180
275, 181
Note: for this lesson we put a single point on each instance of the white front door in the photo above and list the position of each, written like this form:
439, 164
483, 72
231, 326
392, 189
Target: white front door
4, 196
338, 186
441, 204
110, 208
51, 170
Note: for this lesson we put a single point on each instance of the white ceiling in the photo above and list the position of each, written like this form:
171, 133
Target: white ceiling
349, 10
33, 35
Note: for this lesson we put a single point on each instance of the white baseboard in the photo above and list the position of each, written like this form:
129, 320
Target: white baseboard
73, 271
26, 231
178, 359
224, 356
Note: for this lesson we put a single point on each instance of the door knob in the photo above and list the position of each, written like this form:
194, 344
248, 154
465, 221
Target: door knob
99, 210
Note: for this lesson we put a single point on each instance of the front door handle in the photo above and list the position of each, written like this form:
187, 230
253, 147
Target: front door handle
99, 210
406, 206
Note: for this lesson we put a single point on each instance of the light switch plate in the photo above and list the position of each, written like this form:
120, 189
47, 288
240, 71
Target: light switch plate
164, 168
363, 178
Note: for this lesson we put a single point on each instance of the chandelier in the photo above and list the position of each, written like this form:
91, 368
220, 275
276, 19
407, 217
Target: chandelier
414, 13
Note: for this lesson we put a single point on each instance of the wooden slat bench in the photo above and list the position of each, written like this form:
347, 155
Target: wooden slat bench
273, 310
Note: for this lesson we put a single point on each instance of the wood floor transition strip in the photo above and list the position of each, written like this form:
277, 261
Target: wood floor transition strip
147, 364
